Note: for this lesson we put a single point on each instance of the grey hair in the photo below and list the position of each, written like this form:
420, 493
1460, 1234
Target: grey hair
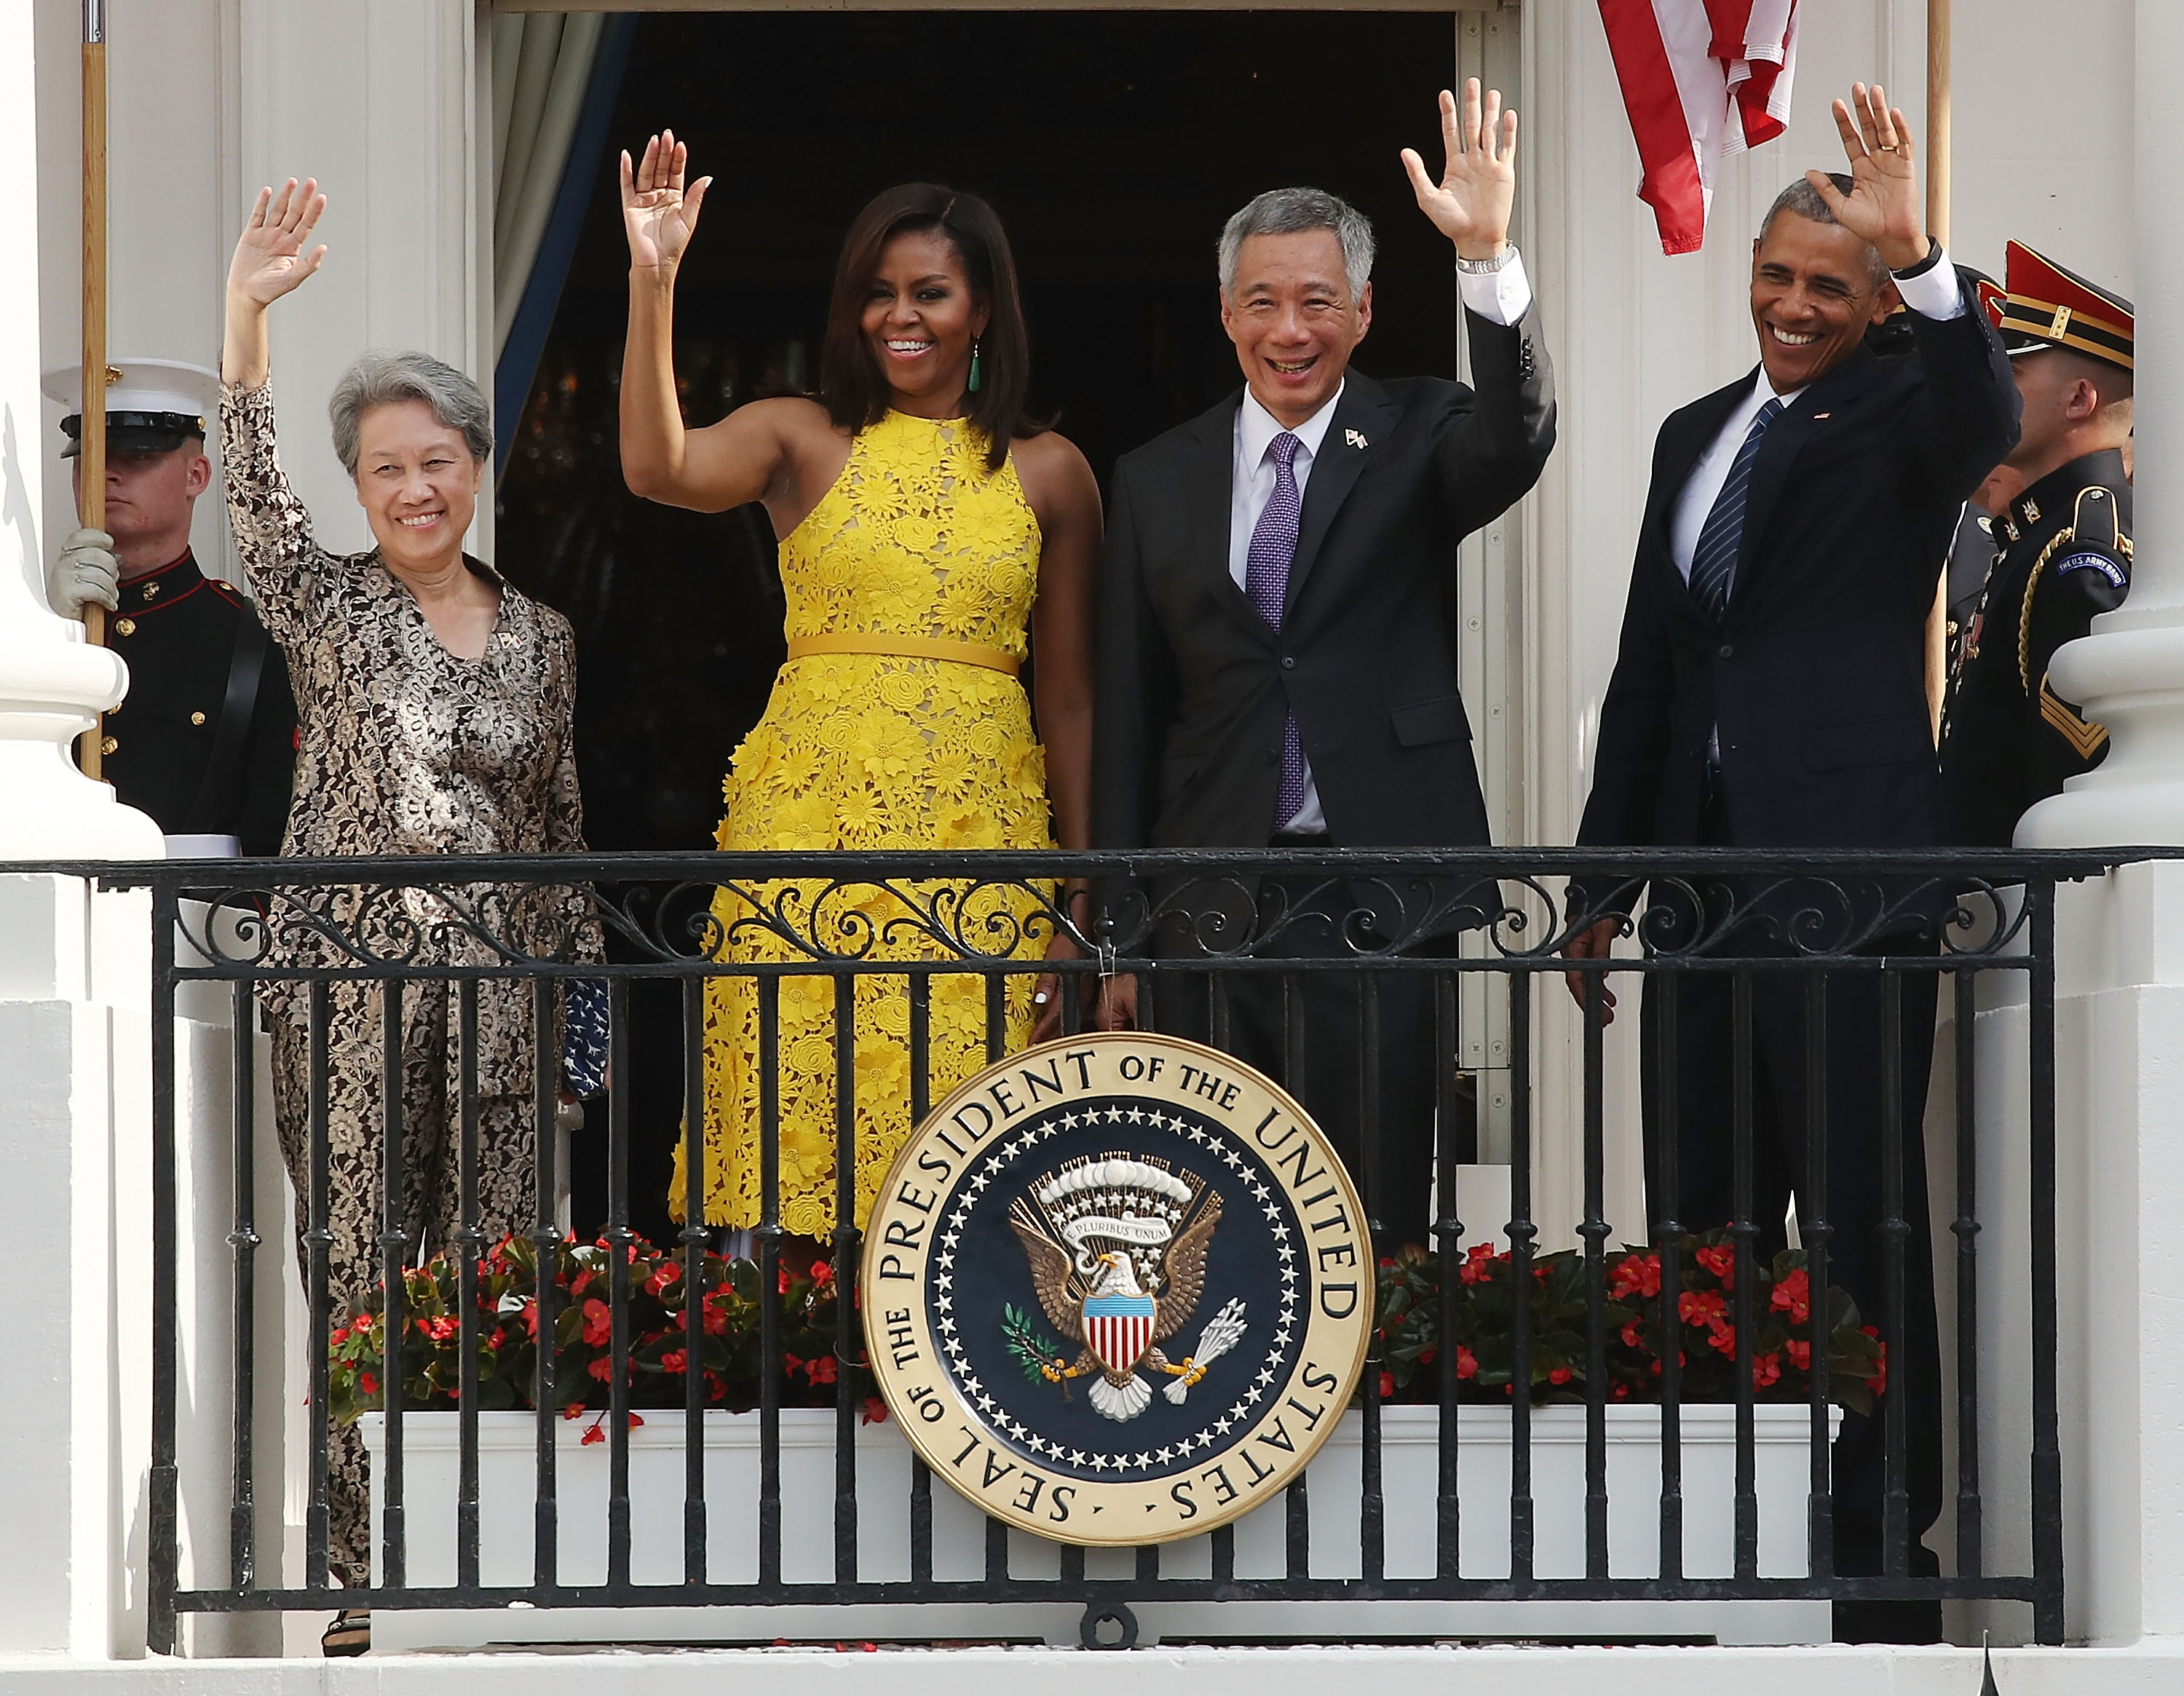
379, 379
1803, 199
1291, 211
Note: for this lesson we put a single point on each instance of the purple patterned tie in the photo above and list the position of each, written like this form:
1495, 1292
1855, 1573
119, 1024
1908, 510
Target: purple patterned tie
1267, 581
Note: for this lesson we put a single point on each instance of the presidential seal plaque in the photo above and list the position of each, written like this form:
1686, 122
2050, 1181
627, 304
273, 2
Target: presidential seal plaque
1117, 1289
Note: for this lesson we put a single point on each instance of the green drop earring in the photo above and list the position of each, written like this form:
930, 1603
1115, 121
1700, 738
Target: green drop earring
973, 386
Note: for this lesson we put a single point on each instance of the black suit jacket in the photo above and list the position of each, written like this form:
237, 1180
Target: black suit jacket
1816, 672
1195, 685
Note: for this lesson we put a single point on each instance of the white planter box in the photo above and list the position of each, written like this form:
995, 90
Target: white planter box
507, 1493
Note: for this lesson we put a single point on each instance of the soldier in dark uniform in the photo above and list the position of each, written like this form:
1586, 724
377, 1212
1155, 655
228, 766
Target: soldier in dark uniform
2063, 551
1973, 550
205, 739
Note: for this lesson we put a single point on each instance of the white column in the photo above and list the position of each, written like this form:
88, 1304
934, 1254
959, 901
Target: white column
52, 684
2129, 674
73, 997
75, 1142
2120, 1001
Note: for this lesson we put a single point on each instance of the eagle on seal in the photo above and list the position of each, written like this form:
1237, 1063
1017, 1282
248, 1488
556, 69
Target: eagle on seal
1118, 1320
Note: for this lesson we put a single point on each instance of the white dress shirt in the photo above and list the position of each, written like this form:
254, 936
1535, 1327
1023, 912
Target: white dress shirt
1932, 294
1695, 505
1502, 298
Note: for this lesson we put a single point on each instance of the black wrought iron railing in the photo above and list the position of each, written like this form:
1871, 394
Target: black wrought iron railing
1744, 940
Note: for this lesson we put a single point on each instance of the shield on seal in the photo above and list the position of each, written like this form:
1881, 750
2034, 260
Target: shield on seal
1118, 1328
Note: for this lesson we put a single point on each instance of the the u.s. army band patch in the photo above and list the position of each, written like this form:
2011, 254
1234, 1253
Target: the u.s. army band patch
1117, 1289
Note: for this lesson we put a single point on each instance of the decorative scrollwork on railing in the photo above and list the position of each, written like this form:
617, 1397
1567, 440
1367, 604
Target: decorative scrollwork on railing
665, 922
1805, 916
383, 928
843, 921
1325, 911
1210, 910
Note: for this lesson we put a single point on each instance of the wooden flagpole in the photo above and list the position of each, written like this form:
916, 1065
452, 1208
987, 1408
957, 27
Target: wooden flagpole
92, 432
1937, 225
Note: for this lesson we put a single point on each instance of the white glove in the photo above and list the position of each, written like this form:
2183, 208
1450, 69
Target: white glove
85, 570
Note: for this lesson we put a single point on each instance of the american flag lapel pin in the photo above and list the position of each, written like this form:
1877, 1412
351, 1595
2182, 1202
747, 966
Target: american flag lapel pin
1355, 438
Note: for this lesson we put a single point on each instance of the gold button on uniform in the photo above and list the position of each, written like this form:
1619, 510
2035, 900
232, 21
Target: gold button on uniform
109, 746
196, 718
124, 626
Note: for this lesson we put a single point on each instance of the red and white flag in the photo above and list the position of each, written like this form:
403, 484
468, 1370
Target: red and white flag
1702, 80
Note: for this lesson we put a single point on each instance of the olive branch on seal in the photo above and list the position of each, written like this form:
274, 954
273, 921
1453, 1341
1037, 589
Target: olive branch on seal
1034, 1352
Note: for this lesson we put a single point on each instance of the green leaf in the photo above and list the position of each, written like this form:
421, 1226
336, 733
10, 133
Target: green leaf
1034, 1352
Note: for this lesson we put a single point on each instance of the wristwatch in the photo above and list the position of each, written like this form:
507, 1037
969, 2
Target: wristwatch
1487, 268
1933, 258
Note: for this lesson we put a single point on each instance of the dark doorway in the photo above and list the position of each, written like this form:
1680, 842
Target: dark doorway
1113, 144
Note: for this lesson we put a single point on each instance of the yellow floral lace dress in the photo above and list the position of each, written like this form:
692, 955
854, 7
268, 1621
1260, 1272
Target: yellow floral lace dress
918, 544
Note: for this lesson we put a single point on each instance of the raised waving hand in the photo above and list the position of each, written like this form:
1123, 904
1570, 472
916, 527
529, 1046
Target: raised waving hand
1470, 203
1883, 205
658, 214
273, 254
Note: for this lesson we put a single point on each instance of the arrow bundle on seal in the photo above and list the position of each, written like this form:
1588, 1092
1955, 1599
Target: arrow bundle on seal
1218, 1338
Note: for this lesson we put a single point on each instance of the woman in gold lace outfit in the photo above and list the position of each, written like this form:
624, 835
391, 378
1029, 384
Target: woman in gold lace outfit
435, 701
928, 528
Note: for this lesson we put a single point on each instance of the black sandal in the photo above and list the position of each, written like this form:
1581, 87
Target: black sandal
349, 1632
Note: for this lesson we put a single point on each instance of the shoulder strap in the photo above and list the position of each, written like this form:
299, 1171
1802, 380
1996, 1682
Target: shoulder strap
2093, 521
220, 792
2096, 526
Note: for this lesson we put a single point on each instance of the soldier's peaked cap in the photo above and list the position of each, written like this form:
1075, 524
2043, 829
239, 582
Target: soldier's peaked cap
2045, 306
152, 405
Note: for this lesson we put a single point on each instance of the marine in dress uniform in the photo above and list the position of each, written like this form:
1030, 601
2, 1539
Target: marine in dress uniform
2062, 554
204, 741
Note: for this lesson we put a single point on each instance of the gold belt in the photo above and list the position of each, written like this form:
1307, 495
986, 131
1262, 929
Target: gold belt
906, 648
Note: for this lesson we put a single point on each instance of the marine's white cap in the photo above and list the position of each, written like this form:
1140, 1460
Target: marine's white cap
151, 404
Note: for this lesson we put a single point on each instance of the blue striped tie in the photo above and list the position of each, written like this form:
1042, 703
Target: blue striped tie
1714, 561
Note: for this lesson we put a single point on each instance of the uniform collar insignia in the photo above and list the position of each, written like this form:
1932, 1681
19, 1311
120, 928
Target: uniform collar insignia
138, 594
2054, 494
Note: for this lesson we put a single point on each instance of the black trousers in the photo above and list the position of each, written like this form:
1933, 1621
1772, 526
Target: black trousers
1359, 1055
1854, 1060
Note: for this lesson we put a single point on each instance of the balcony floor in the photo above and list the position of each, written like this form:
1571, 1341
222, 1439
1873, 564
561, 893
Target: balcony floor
2153, 1668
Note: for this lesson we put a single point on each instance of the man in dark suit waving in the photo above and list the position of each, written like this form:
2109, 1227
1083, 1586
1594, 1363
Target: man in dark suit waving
1770, 693
1277, 657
